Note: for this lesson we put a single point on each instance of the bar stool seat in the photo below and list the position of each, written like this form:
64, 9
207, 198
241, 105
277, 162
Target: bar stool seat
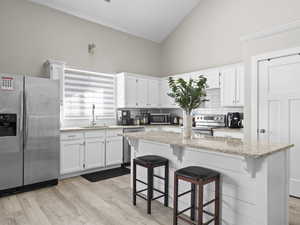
150, 162
197, 173
198, 177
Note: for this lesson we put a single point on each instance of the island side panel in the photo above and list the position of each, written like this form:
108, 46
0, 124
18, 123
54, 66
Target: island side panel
273, 189
239, 188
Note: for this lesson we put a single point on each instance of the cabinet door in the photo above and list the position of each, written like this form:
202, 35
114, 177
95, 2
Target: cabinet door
130, 92
212, 76
94, 153
166, 101
142, 92
153, 93
240, 86
71, 156
114, 151
228, 87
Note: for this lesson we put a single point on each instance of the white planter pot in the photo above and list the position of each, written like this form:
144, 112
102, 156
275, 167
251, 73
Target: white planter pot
187, 125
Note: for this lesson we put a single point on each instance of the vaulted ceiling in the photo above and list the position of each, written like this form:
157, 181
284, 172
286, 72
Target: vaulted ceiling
150, 19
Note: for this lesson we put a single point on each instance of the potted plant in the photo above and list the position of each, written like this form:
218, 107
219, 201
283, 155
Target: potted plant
188, 95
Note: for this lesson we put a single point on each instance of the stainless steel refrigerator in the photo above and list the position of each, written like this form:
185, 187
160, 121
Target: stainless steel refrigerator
29, 132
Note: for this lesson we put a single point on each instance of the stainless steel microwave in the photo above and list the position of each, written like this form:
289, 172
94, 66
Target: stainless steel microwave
160, 118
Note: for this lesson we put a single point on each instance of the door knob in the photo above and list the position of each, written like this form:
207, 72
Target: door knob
262, 131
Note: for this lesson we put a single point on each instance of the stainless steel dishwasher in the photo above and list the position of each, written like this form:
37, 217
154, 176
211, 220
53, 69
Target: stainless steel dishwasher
126, 146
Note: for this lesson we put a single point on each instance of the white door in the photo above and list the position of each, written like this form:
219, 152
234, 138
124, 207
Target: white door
71, 156
279, 107
153, 93
94, 153
228, 86
114, 151
130, 92
142, 92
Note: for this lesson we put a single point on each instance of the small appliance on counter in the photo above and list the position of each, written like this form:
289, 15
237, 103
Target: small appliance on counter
234, 120
160, 118
145, 119
123, 117
175, 120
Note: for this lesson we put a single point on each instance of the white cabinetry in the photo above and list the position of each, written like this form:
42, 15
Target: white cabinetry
142, 93
212, 76
86, 150
94, 153
153, 93
165, 100
137, 91
232, 86
71, 153
114, 153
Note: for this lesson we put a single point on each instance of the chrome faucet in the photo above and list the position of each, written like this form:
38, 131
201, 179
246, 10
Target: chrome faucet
93, 113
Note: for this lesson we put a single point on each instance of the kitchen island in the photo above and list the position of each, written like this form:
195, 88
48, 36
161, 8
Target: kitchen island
254, 176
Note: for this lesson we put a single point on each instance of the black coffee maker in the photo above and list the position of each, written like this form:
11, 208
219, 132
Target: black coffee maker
123, 117
234, 120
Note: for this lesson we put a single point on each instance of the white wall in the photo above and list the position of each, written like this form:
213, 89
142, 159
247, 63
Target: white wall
30, 34
210, 35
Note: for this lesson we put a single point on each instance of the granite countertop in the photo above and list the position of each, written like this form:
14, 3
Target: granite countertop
218, 144
69, 129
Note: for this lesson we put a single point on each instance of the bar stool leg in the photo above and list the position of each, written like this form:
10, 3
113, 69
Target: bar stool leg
217, 202
200, 204
150, 189
175, 205
193, 201
166, 185
134, 183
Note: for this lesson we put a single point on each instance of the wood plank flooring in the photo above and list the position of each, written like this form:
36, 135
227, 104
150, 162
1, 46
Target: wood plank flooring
76, 201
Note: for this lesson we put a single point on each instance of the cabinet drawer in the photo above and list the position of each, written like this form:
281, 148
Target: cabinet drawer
95, 134
114, 132
68, 136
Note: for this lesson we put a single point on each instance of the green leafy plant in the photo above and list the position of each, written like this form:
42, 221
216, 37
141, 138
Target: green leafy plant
188, 94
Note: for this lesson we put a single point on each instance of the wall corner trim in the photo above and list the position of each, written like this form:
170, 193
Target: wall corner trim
272, 31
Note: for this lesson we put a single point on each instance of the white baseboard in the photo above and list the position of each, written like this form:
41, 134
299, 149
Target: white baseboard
295, 188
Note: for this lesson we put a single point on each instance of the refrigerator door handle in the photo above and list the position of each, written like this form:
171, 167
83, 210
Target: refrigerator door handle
22, 113
25, 120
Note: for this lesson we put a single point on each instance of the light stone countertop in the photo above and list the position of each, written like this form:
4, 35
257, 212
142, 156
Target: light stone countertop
218, 144
69, 129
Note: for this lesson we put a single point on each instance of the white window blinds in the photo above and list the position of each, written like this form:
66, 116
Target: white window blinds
83, 89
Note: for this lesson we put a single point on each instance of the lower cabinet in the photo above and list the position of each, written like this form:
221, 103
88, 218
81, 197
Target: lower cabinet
71, 156
82, 151
114, 151
94, 153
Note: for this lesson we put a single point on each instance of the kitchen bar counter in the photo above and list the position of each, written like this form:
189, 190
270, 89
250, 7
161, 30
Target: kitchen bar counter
68, 129
254, 176
218, 144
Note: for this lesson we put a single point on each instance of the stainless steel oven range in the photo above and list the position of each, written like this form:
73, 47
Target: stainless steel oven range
205, 123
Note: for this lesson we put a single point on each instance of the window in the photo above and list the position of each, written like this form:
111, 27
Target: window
83, 89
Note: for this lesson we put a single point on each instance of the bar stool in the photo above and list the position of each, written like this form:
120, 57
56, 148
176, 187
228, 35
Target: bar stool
150, 162
197, 176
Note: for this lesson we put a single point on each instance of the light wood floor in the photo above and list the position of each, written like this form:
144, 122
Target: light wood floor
78, 202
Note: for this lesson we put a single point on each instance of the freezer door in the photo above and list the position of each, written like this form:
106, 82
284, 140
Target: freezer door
41, 135
11, 150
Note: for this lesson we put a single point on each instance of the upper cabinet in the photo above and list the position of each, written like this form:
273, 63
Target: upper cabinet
165, 100
232, 86
137, 91
212, 76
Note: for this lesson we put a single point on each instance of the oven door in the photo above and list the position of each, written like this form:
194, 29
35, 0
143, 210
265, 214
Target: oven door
199, 131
